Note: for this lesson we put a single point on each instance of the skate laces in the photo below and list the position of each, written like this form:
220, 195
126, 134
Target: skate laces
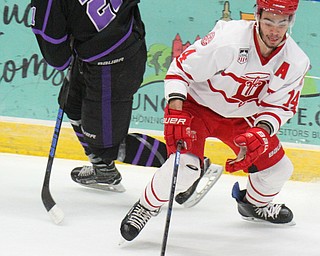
269, 211
140, 216
86, 171
90, 170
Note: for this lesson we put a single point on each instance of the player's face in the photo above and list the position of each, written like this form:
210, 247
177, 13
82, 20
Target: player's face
273, 28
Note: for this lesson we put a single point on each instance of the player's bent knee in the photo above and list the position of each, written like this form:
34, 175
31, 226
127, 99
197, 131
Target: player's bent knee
274, 176
189, 171
286, 167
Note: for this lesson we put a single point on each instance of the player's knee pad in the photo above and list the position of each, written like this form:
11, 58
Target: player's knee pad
263, 186
72, 108
189, 170
157, 191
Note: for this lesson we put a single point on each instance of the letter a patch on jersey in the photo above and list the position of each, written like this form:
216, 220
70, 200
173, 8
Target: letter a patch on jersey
243, 55
283, 70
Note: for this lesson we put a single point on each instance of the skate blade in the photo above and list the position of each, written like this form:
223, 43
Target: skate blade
210, 178
119, 188
255, 220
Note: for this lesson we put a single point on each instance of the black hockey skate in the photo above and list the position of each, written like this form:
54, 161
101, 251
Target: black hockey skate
135, 220
273, 213
210, 174
99, 176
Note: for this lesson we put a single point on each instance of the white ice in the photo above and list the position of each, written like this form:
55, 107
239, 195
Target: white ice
92, 218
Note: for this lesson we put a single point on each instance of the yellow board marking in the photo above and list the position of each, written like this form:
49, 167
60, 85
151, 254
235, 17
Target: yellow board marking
30, 139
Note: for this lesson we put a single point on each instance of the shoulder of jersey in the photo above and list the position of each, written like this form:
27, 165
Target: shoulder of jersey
232, 32
294, 53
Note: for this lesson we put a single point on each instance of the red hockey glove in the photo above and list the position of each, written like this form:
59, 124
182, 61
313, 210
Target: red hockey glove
177, 127
252, 144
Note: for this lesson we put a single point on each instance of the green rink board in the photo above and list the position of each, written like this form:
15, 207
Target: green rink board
29, 87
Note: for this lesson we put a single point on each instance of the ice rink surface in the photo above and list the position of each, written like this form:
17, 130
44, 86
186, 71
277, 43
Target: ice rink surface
92, 218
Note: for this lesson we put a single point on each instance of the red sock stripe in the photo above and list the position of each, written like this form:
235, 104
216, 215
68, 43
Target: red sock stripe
147, 200
255, 190
154, 194
248, 195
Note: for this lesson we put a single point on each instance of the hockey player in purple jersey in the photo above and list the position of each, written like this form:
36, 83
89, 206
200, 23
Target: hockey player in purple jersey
107, 41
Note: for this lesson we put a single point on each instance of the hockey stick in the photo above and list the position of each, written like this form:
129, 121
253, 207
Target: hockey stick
171, 198
54, 211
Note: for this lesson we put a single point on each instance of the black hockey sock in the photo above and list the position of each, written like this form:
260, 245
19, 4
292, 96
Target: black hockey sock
143, 150
76, 125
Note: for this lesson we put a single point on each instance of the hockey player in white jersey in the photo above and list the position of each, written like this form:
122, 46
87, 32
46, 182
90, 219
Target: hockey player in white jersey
240, 84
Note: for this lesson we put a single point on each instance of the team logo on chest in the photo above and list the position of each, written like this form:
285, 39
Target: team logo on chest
247, 87
250, 87
243, 55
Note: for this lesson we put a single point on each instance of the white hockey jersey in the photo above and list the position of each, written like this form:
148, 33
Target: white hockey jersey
226, 72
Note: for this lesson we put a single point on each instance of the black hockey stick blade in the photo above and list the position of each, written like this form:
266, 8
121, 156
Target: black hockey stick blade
54, 211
